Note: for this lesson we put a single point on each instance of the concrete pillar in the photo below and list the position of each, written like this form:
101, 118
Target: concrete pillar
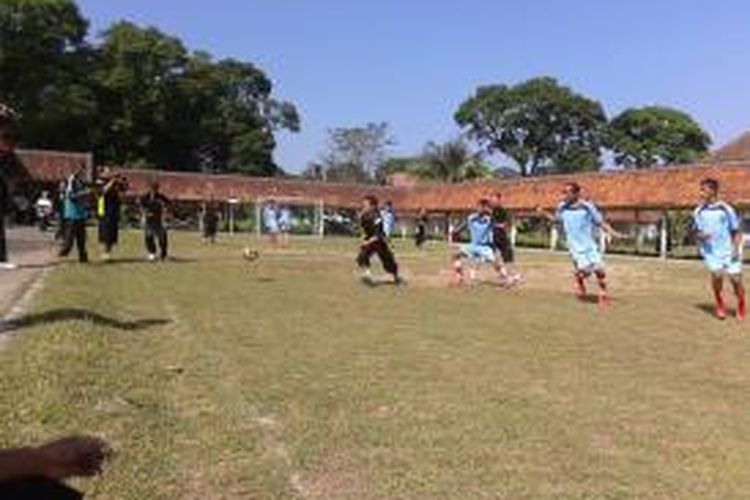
663, 236
554, 235
320, 219
258, 221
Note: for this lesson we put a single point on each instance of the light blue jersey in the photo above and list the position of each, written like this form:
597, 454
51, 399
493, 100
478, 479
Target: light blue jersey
718, 222
73, 207
285, 219
389, 222
271, 219
480, 229
480, 247
579, 220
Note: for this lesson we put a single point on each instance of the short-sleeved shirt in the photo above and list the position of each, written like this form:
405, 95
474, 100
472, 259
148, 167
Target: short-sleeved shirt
480, 229
154, 206
108, 203
285, 217
372, 224
73, 206
389, 221
579, 221
271, 218
719, 222
500, 216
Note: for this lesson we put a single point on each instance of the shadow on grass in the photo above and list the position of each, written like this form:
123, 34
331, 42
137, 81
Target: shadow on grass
45, 265
710, 310
72, 314
143, 260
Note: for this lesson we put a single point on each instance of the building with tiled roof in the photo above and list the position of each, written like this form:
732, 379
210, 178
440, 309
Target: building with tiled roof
737, 149
624, 190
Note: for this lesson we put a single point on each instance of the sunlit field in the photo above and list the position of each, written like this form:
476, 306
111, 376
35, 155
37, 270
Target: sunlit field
214, 378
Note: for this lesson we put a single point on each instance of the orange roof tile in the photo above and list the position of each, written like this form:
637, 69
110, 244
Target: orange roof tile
650, 189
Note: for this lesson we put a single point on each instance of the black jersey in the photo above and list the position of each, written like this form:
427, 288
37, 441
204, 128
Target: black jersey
372, 224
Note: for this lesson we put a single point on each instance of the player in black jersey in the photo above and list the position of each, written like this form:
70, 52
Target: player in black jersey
375, 242
501, 222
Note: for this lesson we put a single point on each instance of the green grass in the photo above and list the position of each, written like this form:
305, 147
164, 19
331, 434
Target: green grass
288, 379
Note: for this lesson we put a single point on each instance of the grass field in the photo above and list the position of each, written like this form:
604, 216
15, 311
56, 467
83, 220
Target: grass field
215, 378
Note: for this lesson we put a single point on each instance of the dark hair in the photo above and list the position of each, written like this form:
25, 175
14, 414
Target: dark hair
574, 186
710, 183
484, 202
371, 199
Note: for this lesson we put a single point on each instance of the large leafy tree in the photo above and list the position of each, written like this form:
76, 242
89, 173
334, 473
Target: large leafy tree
654, 136
44, 68
539, 123
137, 96
168, 107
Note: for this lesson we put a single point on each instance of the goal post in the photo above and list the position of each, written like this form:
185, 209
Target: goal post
306, 215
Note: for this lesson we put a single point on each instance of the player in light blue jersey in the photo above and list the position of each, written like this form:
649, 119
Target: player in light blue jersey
480, 248
717, 228
284, 218
270, 221
580, 219
389, 219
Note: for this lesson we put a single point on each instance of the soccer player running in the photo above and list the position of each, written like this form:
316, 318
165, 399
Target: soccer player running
375, 242
481, 248
501, 220
579, 218
154, 206
718, 231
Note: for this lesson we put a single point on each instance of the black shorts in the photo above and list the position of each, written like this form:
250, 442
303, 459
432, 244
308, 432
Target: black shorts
109, 229
383, 251
503, 245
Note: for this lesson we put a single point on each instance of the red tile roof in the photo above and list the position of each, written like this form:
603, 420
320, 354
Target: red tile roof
650, 189
737, 149
52, 166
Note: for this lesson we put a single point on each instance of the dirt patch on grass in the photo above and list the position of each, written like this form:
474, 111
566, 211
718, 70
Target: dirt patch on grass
334, 479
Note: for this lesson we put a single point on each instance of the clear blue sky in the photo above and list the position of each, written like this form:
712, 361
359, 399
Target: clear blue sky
411, 62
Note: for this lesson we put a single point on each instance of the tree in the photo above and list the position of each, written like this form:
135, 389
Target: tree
355, 153
451, 161
137, 96
400, 164
538, 123
655, 136
44, 66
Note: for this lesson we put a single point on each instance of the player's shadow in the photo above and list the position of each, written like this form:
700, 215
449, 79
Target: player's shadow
135, 260
588, 299
73, 314
44, 265
707, 309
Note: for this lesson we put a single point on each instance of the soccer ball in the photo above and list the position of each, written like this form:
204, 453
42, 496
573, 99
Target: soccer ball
250, 255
